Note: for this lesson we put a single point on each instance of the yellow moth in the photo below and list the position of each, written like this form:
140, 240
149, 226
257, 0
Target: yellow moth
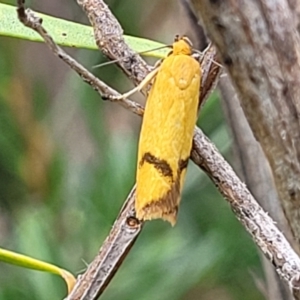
166, 135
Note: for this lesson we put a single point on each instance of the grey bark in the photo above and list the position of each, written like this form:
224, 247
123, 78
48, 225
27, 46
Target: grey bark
258, 42
253, 167
259, 45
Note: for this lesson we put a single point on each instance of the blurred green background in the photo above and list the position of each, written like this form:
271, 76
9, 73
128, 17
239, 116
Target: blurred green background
67, 163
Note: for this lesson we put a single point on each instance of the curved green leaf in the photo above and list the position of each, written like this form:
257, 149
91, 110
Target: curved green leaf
67, 33
35, 264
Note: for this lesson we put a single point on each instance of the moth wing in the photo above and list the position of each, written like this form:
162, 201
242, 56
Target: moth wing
166, 138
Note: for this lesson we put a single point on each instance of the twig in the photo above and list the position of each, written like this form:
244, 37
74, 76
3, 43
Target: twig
31, 20
261, 227
121, 238
258, 223
109, 38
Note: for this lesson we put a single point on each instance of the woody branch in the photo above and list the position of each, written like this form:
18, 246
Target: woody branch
261, 227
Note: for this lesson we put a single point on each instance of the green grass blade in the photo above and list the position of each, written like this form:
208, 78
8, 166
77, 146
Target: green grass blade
35, 264
67, 33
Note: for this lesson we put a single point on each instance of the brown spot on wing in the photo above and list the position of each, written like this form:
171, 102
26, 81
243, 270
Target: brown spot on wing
160, 164
166, 207
182, 164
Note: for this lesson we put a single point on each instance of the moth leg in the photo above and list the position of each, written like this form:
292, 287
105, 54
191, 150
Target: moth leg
138, 88
158, 63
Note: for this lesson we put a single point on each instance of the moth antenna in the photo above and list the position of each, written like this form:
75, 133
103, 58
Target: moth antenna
106, 63
142, 52
201, 54
216, 63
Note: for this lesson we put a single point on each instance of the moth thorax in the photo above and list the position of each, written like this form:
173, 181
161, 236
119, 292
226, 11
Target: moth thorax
182, 47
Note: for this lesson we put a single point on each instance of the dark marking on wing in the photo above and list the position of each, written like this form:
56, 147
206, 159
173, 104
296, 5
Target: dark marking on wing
182, 164
165, 207
160, 164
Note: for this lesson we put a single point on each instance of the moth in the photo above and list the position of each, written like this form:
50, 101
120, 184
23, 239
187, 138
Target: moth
166, 134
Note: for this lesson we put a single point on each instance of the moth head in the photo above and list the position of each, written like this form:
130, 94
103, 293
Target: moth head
182, 45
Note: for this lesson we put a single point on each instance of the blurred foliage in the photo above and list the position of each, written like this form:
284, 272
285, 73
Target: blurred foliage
67, 162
